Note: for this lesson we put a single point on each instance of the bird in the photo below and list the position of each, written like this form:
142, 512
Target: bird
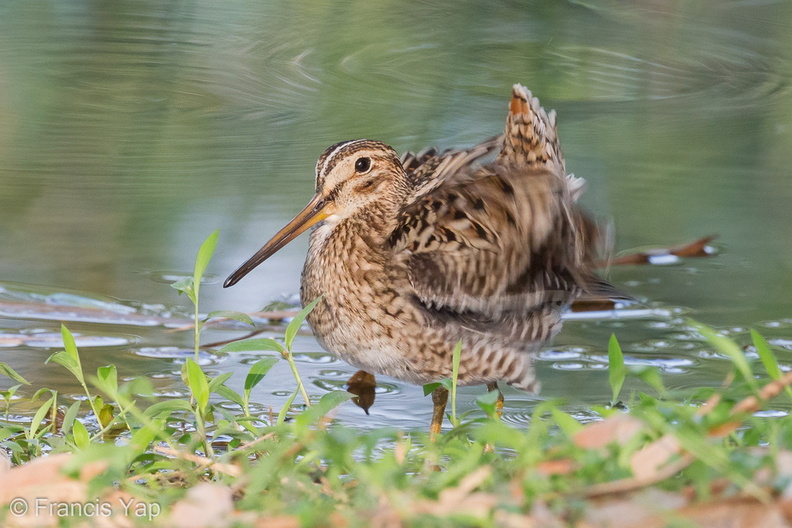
410, 255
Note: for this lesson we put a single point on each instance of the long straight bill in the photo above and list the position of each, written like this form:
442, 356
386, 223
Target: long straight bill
317, 210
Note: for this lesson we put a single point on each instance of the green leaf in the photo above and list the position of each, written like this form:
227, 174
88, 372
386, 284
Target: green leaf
768, 359
296, 323
185, 285
9, 393
225, 392
40, 414
569, 425
69, 344
616, 370
199, 386
729, 348
327, 403
287, 406
254, 345
219, 380
766, 355
142, 438
488, 402
429, 388
66, 360
106, 414
257, 372
80, 434
167, 407
70, 357
70, 417
43, 390
107, 380
8, 372
455, 359
204, 256
651, 376
230, 314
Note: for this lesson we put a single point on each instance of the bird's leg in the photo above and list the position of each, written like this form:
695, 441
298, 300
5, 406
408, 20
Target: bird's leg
499, 403
439, 399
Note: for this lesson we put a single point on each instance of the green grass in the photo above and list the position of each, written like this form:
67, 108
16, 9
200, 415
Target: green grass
302, 467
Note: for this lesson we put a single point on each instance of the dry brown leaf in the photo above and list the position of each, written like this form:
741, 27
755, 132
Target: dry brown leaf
206, 505
634, 510
563, 466
228, 469
543, 517
647, 462
461, 499
5, 461
38, 491
43, 477
617, 428
279, 521
737, 512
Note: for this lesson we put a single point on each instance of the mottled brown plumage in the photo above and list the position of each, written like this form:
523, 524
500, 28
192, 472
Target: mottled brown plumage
412, 255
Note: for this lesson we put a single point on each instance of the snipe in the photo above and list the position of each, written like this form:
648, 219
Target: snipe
413, 254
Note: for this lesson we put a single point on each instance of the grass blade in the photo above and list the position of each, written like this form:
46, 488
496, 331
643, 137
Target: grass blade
80, 435
199, 386
296, 323
766, 355
769, 361
258, 371
287, 406
230, 314
729, 348
254, 345
616, 369
8, 372
327, 403
455, 358
204, 256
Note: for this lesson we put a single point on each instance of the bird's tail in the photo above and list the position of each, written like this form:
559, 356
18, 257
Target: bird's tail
531, 136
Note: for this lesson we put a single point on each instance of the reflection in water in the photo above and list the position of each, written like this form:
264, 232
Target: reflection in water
128, 132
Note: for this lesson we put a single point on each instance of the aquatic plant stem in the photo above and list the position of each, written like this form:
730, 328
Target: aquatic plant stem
454, 380
287, 353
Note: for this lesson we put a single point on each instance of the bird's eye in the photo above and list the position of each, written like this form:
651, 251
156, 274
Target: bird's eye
362, 165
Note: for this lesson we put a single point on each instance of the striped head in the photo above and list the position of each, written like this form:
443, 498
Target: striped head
351, 174
351, 177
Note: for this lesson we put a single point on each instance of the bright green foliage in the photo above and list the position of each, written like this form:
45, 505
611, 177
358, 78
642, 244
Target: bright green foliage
8, 372
616, 370
296, 323
322, 473
310, 470
198, 384
730, 348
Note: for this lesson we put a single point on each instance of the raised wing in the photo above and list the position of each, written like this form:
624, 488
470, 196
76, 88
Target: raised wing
502, 237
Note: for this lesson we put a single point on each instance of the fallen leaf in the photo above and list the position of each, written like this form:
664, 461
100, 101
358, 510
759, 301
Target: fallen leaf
617, 428
633, 510
564, 466
206, 505
43, 477
648, 461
